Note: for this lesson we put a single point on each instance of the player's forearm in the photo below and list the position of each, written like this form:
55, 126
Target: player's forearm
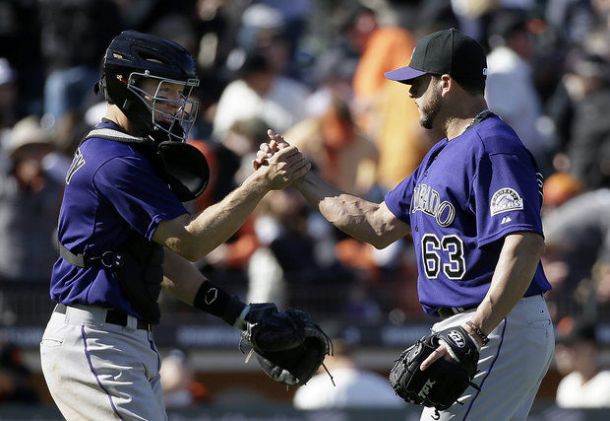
181, 277
184, 280
217, 223
351, 214
514, 272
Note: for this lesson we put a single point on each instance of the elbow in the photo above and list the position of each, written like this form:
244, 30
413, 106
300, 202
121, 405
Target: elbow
532, 245
539, 246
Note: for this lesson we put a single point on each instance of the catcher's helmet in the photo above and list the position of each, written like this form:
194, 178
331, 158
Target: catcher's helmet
163, 108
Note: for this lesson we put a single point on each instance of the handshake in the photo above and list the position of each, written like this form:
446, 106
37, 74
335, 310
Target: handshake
279, 164
267, 150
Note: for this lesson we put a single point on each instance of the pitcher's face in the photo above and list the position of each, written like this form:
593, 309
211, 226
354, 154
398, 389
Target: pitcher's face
427, 95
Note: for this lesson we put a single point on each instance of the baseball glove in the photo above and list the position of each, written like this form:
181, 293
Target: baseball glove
441, 384
288, 345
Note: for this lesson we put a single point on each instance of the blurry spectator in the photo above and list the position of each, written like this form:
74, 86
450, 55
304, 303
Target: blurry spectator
178, 28
142, 15
16, 380
355, 387
295, 14
216, 24
75, 34
243, 139
573, 19
341, 153
558, 189
600, 290
471, 13
8, 94
383, 110
265, 275
265, 29
260, 23
180, 389
577, 236
260, 92
29, 205
601, 9
297, 258
435, 15
588, 85
20, 39
68, 134
588, 384
510, 90
332, 75
8, 108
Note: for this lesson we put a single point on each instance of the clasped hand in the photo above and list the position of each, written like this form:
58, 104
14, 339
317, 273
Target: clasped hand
282, 163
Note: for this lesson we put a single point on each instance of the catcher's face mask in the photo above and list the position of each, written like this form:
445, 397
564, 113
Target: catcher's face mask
173, 110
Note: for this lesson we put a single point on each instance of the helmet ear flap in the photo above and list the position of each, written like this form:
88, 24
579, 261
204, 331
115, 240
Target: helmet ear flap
101, 86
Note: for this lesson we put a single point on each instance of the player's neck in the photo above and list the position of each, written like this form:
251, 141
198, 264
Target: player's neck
457, 125
114, 114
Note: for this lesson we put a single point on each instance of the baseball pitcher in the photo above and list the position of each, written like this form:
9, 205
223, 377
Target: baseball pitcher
472, 208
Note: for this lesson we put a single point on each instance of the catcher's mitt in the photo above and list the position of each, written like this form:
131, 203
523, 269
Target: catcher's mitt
441, 384
288, 345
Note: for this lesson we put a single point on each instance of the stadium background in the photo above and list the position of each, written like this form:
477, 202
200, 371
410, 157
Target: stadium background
324, 60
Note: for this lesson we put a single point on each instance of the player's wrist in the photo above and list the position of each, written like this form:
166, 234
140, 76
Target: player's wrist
214, 300
258, 182
476, 333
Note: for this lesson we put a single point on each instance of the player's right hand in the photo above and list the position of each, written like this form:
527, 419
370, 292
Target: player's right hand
283, 167
266, 150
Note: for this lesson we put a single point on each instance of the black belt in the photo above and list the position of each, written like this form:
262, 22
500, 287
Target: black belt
109, 259
446, 312
113, 316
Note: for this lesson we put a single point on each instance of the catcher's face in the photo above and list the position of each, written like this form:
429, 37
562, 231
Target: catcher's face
168, 100
170, 103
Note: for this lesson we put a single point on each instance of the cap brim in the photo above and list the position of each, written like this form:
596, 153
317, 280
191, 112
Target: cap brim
404, 74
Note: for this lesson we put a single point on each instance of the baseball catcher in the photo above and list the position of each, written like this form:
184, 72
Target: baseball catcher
443, 382
288, 345
124, 235
472, 209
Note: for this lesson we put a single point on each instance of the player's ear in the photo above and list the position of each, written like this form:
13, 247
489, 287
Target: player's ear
446, 82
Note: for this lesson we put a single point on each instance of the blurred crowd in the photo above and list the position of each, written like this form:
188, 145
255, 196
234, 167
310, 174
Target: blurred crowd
313, 71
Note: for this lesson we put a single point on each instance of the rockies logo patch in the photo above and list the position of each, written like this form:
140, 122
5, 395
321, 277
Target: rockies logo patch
504, 200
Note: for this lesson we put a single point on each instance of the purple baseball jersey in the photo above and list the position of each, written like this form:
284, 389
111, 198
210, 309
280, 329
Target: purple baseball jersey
463, 199
111, 188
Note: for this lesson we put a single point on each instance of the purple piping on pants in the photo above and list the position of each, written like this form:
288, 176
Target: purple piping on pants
88, 356
488, 371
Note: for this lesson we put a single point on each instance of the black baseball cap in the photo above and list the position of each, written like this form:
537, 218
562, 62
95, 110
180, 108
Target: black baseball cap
444, 52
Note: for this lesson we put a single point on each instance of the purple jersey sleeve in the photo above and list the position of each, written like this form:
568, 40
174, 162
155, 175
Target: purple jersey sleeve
141, 198
507, 197
398, 200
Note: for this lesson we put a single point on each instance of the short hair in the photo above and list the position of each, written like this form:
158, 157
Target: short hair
472, 86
